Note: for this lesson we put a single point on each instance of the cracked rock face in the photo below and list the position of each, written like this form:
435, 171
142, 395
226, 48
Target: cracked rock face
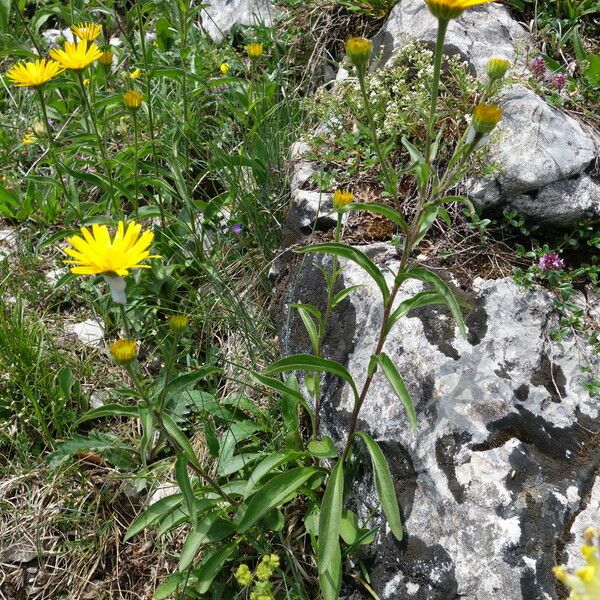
543, 157
221, 16
500, 474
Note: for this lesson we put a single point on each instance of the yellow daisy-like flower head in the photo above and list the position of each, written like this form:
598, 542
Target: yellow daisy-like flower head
96, 253
123, 351
497, 67
34, 74
87, 31
106, 58
485, 118
29, 139
342, 198
224, 68
178, 323
254, 50
445, 10
135, 74
359, 51
132, 99
76, 57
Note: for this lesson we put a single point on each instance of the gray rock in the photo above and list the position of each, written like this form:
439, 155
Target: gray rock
222, 15
504, 454
479, 34
9, 242
89, 332
536, 148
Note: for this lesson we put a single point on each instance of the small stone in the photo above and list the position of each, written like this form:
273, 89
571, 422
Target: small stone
219, 18
89, 332
8, 242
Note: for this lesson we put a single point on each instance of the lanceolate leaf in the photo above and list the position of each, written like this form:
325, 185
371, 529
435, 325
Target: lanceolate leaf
270, 495
442, 288
268, 464
384, 485
108, 410
307, 362
418, 300
398, 385
380, 209
184, 444
329, 555
353, 254
153, 513
183, 479
211, 566
310, 325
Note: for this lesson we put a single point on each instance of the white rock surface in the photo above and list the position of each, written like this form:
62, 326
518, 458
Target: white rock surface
222, 15
8, 242
89, 332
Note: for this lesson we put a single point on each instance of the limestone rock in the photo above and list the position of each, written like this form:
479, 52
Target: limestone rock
8, 242
504, 455
222, 15
89, 332
479, 34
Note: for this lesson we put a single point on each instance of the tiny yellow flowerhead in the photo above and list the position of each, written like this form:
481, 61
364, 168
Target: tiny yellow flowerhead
29, 139
445, 10
342, 198
106, 58
95, 253
497, 67
132, 99
224, 68
135, 74
123, 351
254, 50
76, 57
585, 582
34, 74
87, 31
243, 575
86, 82
485, 118
178, 323
359, 51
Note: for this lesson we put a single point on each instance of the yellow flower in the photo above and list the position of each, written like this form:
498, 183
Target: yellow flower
96, 253
254, 50
359, 50
76, 57
132, 99
445, 10
243, 575
224, 68
86, 82
135, 74
29, 139
106, 58
87, 31
178, 322
485, 118
342, 198
33, 74
123, 351
497, 67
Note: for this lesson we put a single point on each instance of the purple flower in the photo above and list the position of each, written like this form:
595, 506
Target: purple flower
236, 229
559, 80
551, 262
538, 67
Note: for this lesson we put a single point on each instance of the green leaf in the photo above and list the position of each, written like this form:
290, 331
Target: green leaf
170, 586
398, 385
349, 529
421, 299
183, 479
109, 410
379, 209
444, 290
4, 14
329, 555
427, 219
343, 293
153, 513
181, 439
353, 254
184, 381
324, 448
211, 566
384, 486
310, 325
289, 403
268, 464
270, 495
307, 362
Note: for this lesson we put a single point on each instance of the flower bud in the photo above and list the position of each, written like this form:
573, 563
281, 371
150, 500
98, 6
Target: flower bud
123, 351
106, 58
359, 51
497, 67
485, 118
342, 198
132, 99
224, 68
178, 323
254, 50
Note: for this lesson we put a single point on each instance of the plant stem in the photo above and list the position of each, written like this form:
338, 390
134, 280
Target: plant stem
137, 163
125, 321
100, 143
437, 69
168, 368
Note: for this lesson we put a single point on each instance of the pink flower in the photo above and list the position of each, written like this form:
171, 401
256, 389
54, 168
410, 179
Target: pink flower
538, 67
559, 80
551, 262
